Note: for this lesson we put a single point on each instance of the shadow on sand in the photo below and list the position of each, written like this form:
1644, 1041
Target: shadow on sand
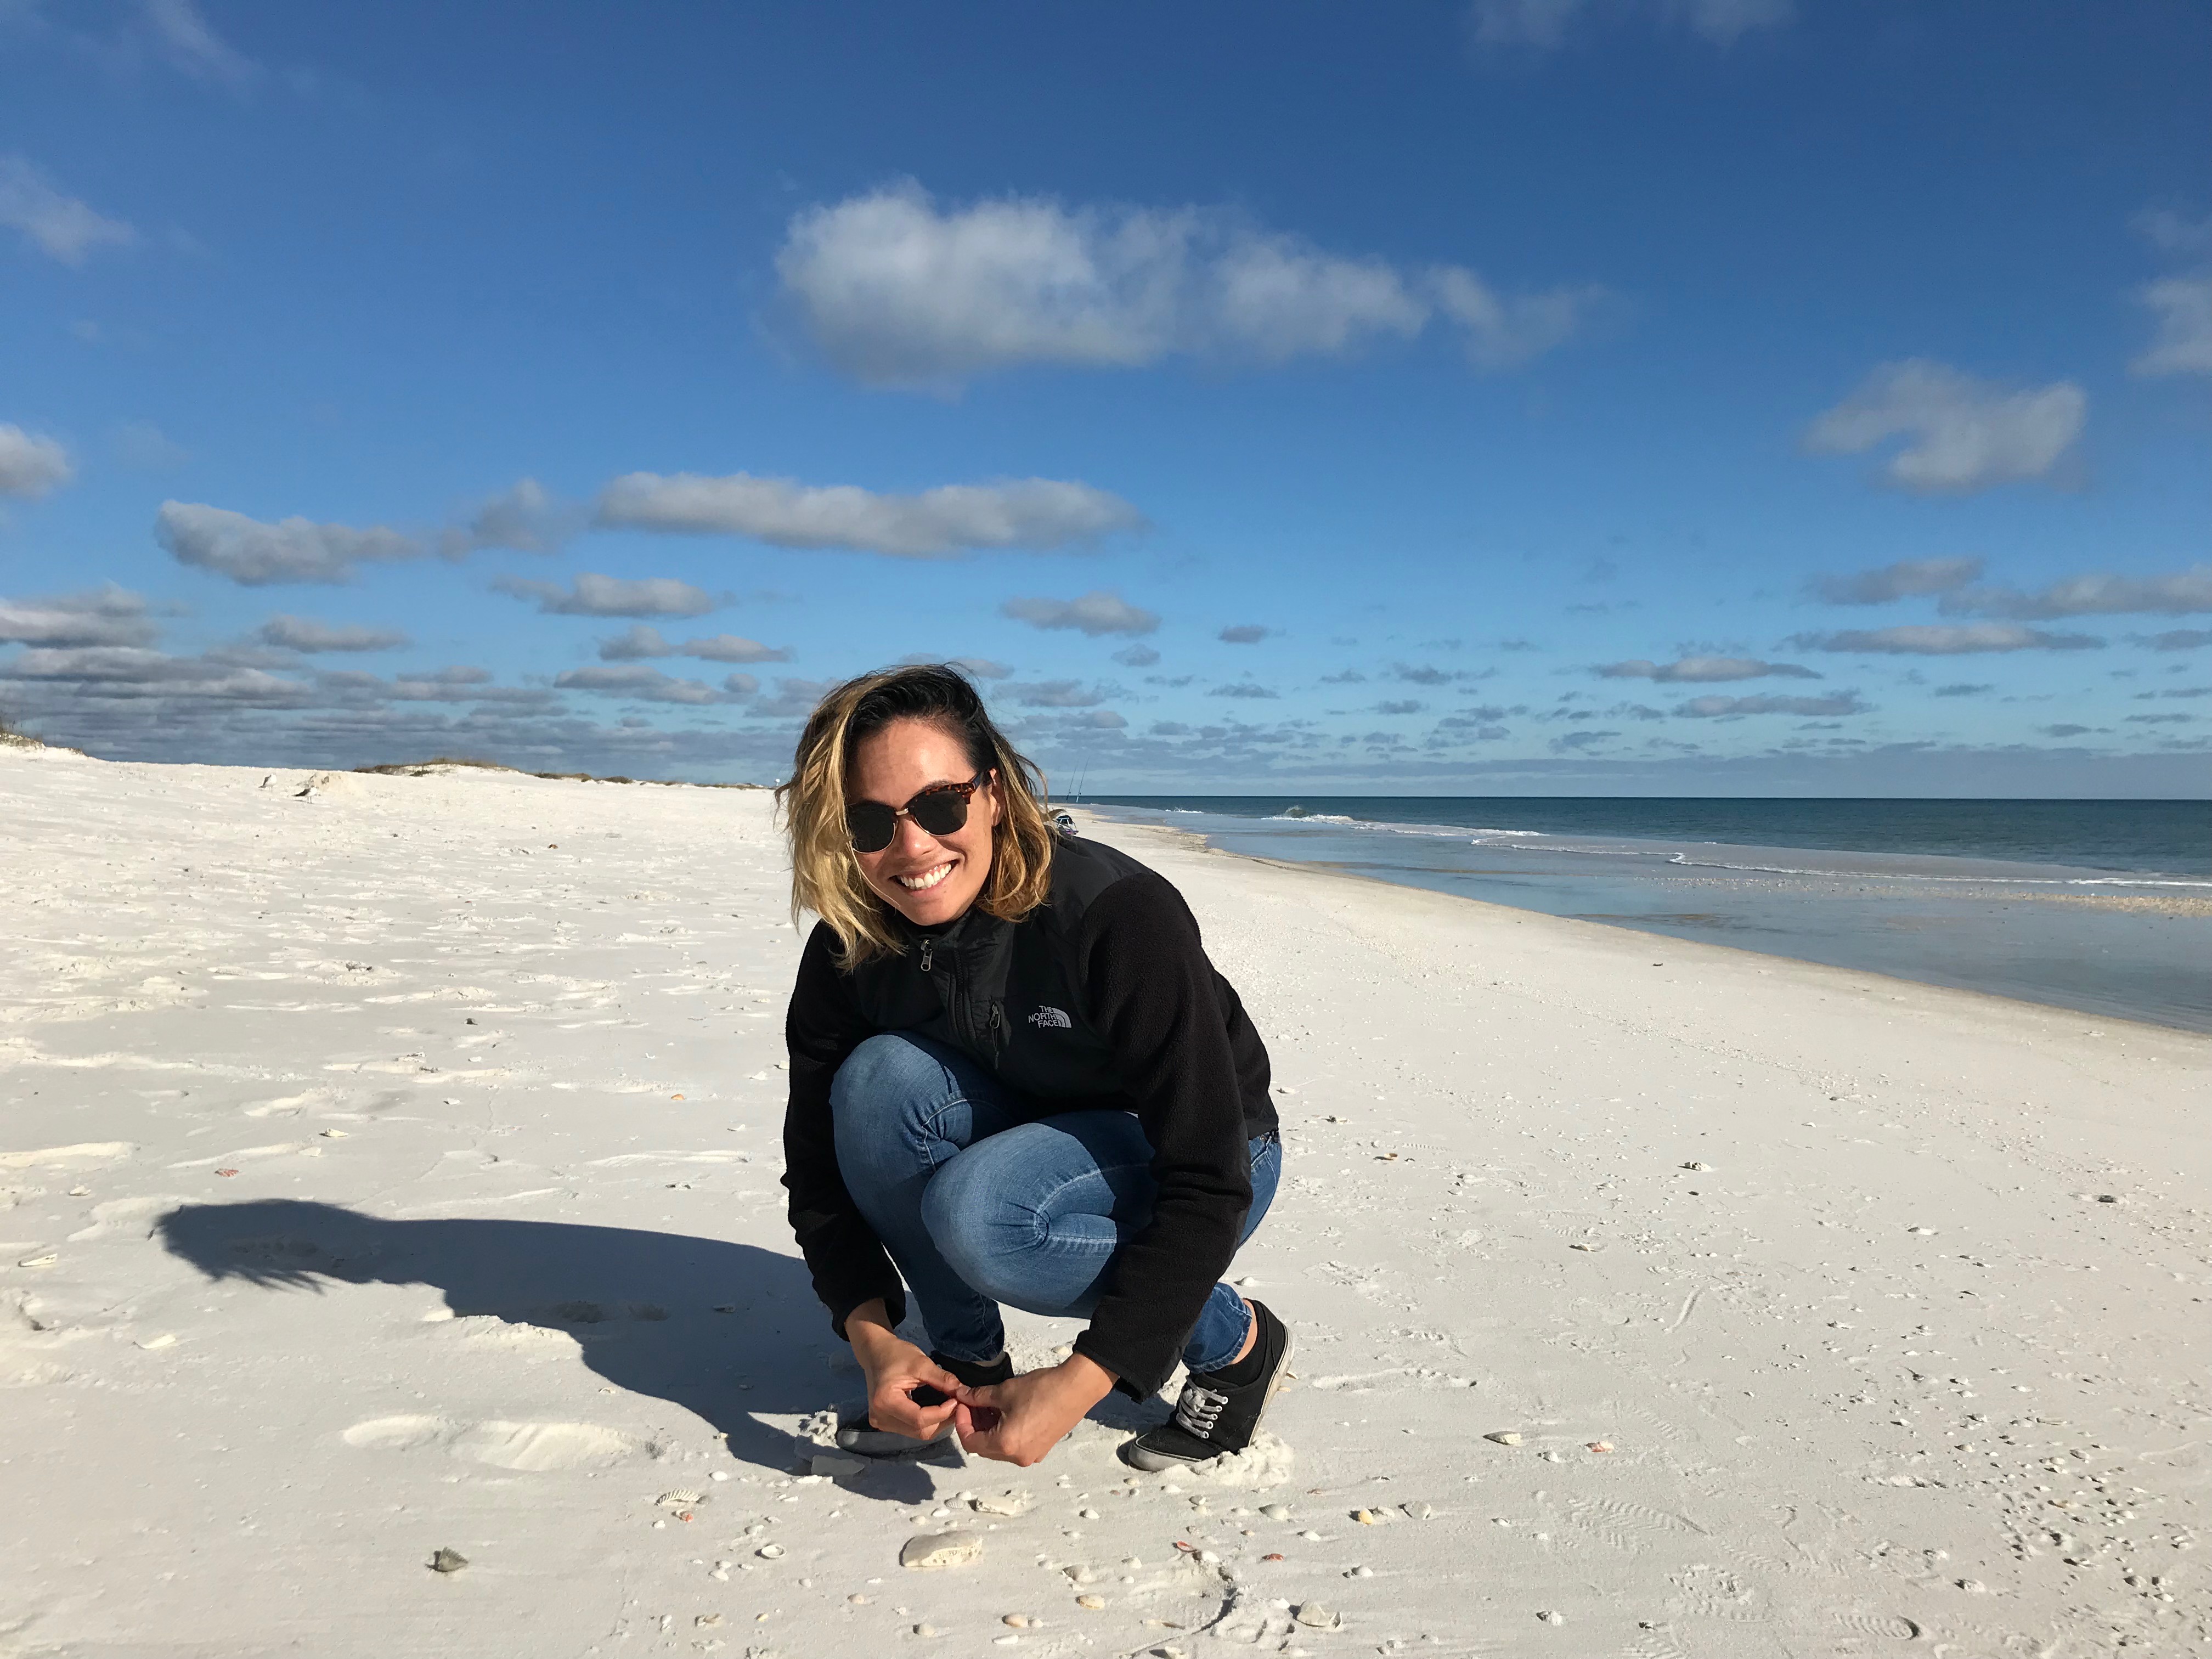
731, 1333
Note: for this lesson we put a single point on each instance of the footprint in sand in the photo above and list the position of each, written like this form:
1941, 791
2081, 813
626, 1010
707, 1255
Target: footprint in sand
83, 1155
532, 1448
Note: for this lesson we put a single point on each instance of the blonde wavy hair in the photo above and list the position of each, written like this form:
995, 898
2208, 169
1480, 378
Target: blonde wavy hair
825, 873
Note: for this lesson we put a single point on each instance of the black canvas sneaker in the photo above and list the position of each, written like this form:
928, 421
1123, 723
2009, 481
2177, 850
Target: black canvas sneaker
1218, 1410
862, 1438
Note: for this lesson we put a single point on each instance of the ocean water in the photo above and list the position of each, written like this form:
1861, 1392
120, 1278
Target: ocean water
2100, 906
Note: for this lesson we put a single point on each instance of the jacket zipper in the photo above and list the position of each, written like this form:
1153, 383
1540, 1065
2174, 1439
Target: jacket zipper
963, 1012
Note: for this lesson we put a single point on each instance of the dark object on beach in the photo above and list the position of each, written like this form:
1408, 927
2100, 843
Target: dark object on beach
447, 1561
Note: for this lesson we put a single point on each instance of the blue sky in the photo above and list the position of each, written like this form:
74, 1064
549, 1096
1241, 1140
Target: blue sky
1521, 397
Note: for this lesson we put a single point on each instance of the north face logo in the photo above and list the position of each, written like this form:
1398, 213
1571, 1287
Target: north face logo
1051, 1019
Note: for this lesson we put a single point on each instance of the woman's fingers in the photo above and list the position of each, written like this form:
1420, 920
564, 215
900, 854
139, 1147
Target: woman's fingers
937, 1376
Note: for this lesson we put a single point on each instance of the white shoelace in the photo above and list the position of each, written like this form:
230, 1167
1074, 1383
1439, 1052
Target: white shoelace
1199, 1410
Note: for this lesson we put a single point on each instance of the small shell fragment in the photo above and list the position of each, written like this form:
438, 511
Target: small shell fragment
446, 1561
1600, 1445
1506, 1437
1313, 1616
1017, 1620
1015, 1500
1694, 1165
1552, 1618
1090, 1603
1276, 1511
768, 1551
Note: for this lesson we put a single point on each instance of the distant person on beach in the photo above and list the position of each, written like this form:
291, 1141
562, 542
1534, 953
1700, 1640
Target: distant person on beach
1015, 1078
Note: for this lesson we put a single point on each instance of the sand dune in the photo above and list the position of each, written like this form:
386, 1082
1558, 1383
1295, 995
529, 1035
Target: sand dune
389, 1164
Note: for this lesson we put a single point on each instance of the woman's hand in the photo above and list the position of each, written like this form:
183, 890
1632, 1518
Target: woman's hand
895, 1368
1019, 1421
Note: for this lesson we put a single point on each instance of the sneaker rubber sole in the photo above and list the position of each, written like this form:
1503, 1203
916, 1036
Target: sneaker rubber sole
1156, 1460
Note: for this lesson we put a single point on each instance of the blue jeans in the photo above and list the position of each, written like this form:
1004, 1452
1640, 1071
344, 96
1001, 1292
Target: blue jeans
978, 1208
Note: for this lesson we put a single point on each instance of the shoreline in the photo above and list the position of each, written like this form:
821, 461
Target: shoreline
1971, 975
1818, 977
392, 1167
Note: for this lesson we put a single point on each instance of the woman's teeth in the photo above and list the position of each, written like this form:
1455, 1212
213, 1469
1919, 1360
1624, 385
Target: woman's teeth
926, 880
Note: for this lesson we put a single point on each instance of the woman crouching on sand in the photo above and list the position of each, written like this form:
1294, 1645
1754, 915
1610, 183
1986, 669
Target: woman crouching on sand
1015, 1075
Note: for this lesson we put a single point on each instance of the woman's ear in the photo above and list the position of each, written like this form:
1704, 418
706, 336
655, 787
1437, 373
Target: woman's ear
997, 804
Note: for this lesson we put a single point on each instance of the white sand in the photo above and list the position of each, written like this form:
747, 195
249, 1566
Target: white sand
1888, 1376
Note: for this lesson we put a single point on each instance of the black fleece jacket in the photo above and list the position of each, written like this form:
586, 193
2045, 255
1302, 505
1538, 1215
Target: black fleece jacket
1103, 997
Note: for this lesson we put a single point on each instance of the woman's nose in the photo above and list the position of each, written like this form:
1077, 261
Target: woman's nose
912, 837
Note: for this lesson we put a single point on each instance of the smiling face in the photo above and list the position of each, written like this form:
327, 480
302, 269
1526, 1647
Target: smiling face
928, 879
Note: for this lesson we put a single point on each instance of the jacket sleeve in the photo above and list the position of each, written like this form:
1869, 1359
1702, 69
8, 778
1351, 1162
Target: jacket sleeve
1153, 994
820, 1029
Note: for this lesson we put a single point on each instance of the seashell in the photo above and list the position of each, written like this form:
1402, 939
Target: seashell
447, 1561
1506, 1437
1313, 1616
930, 1551
1090, 1603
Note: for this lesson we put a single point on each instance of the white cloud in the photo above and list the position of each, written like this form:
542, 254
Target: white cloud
2184, 593
31, 464
595, 595
1095, 613
257, 554
2183, 307
1963, 433
1539, 25
1506, 330
899, 293
1699, 671
1054, 694
640, 683
524, 518
1922, 640
112, 617
1548, 25
1906, 578
1842, 703
129, 672
190, 46
641, 640
1245, 634
2179, 638
634, 643
1137, 656
733, 647
1279, 298
58, 224
793, 698
980, 668
939, 523
306, 634
2175, 233
1242, 689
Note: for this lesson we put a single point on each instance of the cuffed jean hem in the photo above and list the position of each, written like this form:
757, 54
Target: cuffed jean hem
979, 1209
